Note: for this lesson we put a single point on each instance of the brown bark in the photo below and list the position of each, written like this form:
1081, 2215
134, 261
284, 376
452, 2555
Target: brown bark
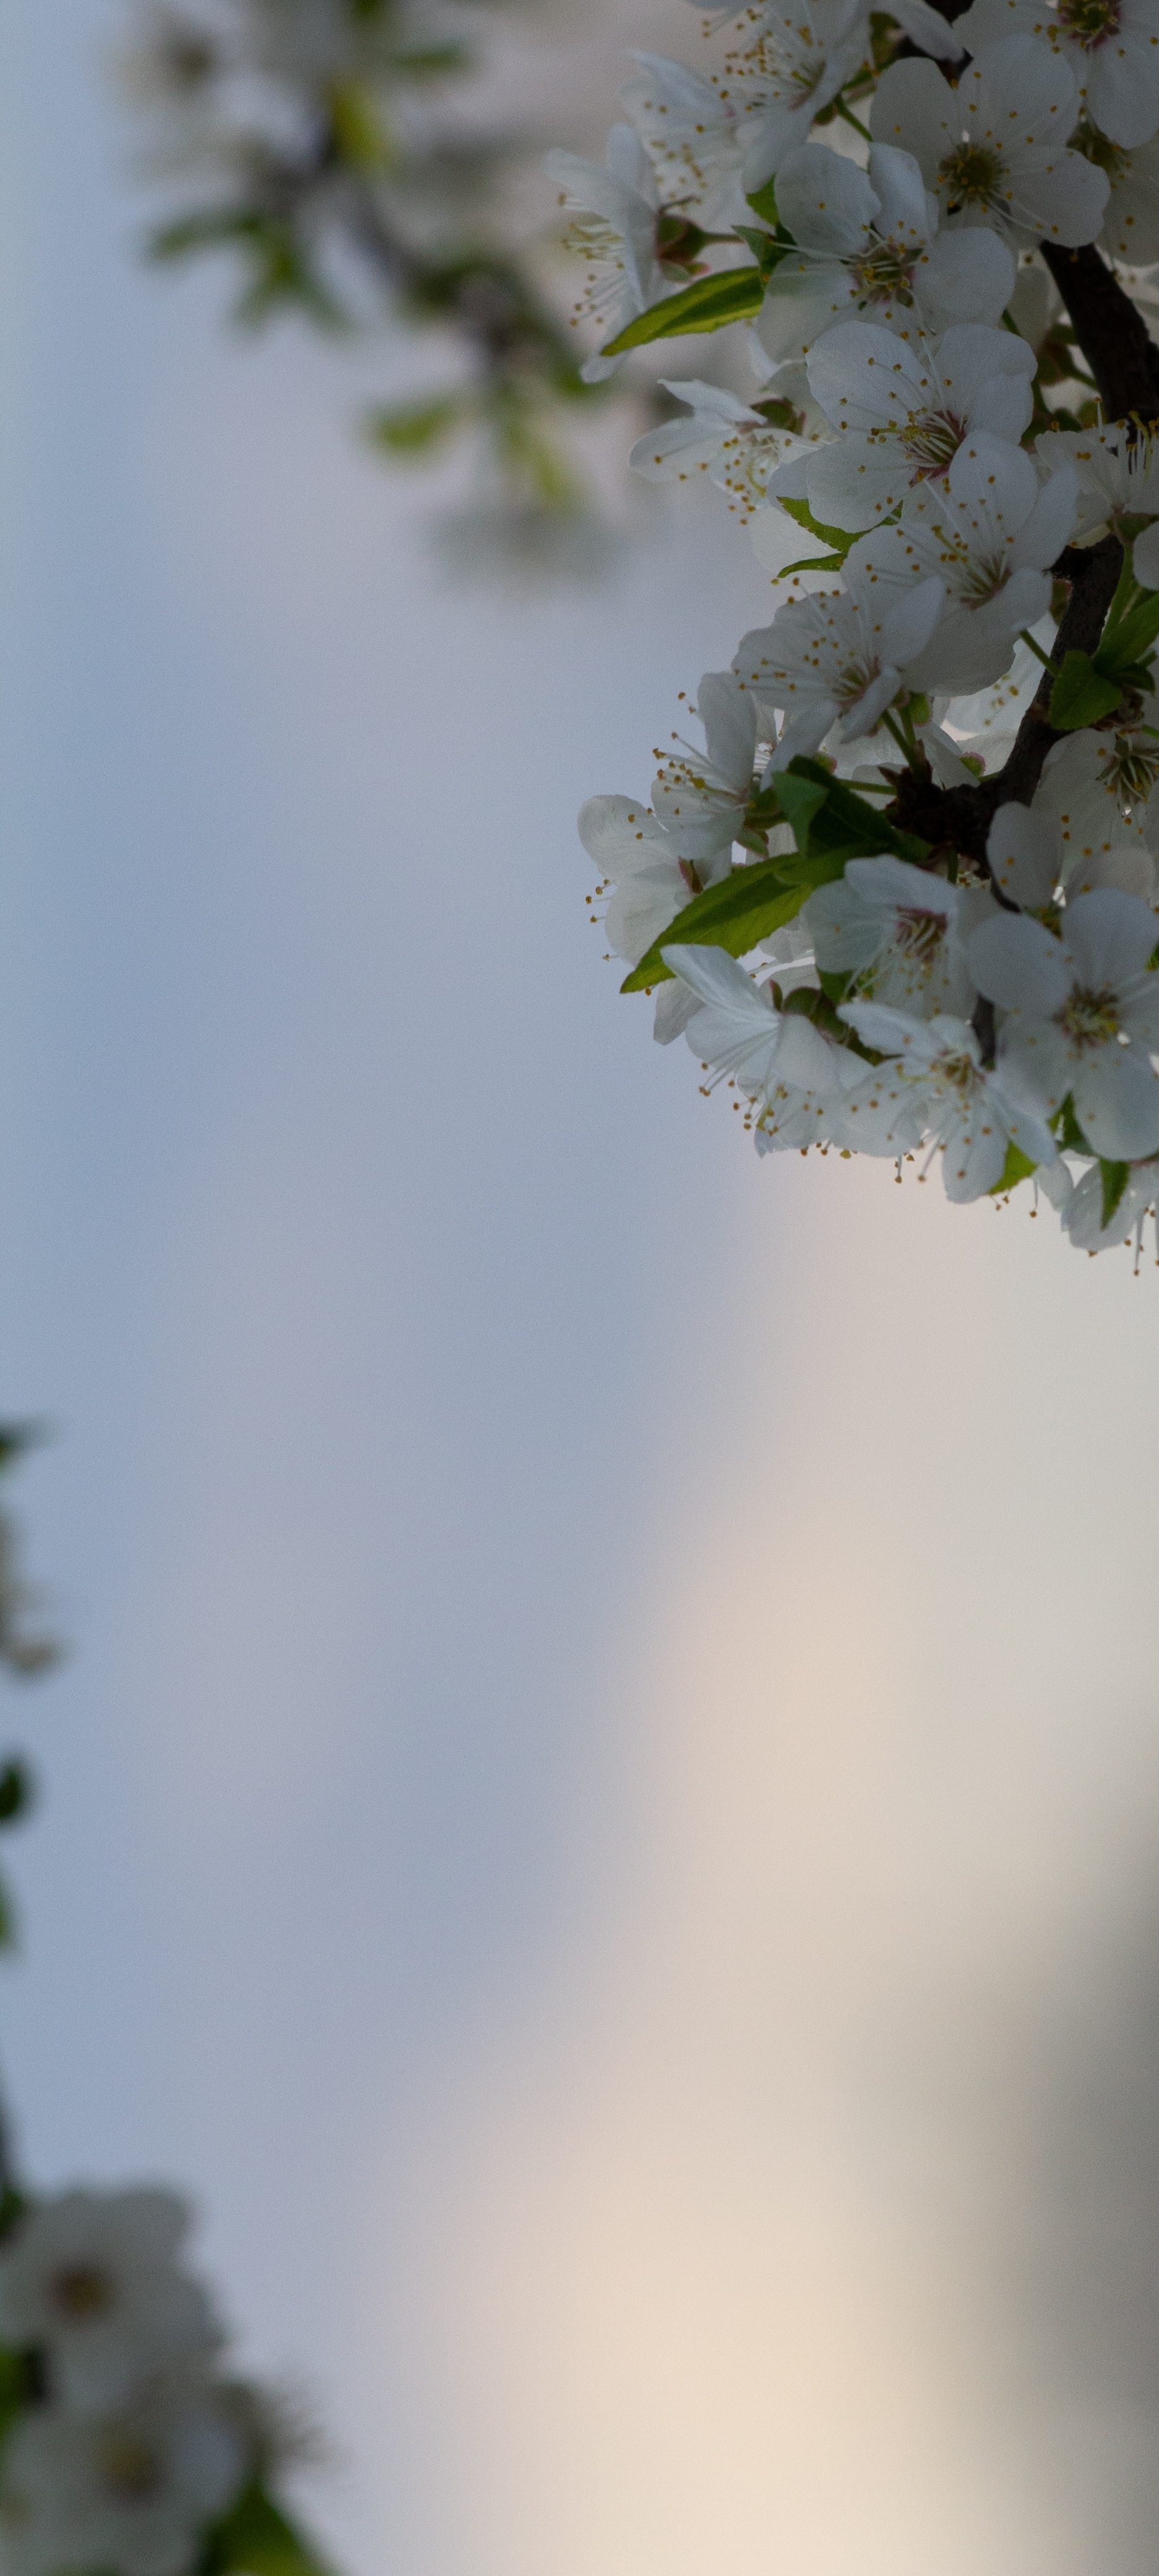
1110, 331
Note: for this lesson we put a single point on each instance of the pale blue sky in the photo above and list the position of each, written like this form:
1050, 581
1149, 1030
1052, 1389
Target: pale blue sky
605, 1674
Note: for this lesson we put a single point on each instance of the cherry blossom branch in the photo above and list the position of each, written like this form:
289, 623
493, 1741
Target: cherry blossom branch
1110, 331
961, 816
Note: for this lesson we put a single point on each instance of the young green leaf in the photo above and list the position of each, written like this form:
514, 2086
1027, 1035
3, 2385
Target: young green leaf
764, 202
841, 819
800, 799
1081, 695
767, 251
1114, 1178
1134, 634
1017, 1167
733, 295
839, 540
733, 915
1068, 1130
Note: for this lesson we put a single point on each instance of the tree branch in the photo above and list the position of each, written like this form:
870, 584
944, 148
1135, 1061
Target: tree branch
1110, 331
963, 815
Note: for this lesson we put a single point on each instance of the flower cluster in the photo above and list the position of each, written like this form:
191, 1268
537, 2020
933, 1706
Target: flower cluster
904, 901
127, 2450
333, 147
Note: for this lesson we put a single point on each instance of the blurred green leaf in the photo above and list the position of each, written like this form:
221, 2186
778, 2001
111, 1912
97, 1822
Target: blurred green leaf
413, 429
281, 273
432, 62
16, 1792
256, 2539
16, 1439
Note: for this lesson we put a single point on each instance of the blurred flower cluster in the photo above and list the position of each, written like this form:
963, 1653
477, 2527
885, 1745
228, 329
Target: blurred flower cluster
128, 2449
903, 901
337, 149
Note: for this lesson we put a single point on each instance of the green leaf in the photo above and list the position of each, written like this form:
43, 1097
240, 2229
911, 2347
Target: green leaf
838, 539
830, 823
733, 295
7, 1920
412, 429
1017, 1167
799, 800
1081, 695
255, 2539
1068, 1130
812, 563
1123, 644
744, 907
1114, 1178
843, 820
764, 202
767, 251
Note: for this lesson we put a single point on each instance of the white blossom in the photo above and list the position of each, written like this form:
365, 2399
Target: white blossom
993, 150
928, 30
904, 410
738, 1030
794, 61
658, 860
867, 242
1131, 224
695, 137
1117, 469
841, 657
91, 2278
1081, 1017
1101, 787
895, 929
737, 445
959, 1107
129, 2492
859, 1108
701, 797
1020, 1010
805, 1090
1037, 865
1082, 1215
989, 533
615, 235
637, 857
1111, 46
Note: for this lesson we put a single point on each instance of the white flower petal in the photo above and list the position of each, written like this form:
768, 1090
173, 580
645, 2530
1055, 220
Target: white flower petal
1019, 965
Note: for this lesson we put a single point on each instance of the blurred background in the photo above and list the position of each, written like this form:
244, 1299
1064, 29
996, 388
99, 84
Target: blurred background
603, 1816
